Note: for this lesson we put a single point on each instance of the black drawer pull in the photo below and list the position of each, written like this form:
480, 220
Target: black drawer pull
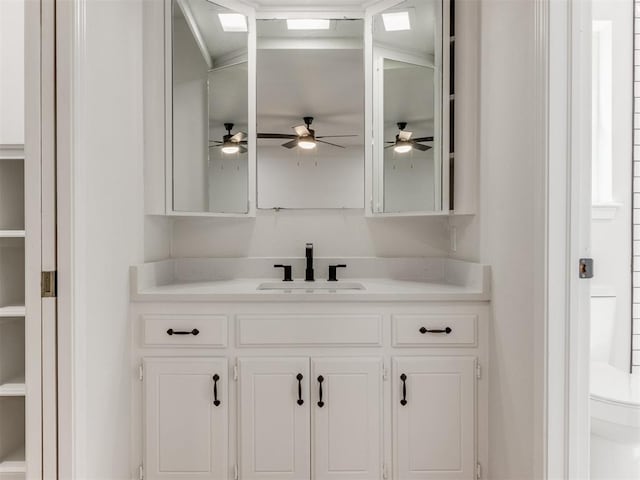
424, 330
193, 332
403, 377
299, 377
216, 402
320, 402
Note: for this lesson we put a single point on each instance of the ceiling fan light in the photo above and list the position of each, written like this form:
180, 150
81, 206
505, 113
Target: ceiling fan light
229, 148
307, 143
233, 22
402, 147
308, 24
396, 21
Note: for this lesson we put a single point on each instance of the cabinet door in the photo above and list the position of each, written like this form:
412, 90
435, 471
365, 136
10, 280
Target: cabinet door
186, 420
434, 418
346, 418
274, 418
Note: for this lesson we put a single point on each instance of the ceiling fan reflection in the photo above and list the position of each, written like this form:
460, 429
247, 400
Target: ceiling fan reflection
304, 137
404, 143
231, 143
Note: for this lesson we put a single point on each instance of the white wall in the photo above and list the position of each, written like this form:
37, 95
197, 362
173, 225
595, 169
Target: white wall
109, 227
335, 233
325, 177
11, 86
511, 196
409, 181
611, 238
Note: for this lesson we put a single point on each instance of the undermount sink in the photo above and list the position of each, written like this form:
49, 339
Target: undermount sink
299, 285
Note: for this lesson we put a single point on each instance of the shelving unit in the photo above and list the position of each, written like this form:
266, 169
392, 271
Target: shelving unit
13, 463
12, 446
12, 321
13, 392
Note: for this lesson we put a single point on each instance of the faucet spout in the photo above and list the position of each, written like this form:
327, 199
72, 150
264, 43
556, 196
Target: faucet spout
309, 275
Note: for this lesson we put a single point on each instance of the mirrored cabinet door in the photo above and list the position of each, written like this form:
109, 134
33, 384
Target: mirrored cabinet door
210, 152
410, 148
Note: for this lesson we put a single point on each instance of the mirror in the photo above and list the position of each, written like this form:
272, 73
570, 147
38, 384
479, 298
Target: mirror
310, 93
210, 147
408, 160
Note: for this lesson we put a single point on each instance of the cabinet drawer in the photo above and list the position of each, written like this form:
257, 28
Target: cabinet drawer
184, 330
311, 330
412, 330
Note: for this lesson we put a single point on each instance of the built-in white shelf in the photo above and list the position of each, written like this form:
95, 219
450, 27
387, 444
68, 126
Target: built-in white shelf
11, 152
12, 311
13, 387
14, 462
12, 234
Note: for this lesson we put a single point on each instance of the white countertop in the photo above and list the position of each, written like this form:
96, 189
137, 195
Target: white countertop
193, 280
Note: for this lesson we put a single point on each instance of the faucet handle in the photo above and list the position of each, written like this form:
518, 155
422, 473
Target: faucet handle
333, 272
287, 272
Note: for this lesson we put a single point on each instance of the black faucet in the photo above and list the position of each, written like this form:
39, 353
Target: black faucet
308, 275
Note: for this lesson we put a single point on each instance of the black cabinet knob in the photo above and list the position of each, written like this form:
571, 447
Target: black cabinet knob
193, 332
424, 330
299, 377
403, 378
216, 402
320, 402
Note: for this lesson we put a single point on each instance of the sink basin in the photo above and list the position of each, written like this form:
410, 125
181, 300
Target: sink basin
310, 286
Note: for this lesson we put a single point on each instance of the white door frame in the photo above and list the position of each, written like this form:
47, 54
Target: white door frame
40, 239
565, 66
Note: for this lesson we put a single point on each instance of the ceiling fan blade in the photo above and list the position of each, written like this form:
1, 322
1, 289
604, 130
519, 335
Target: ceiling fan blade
422, 148
404, 135
215, 142
239, 137
291, 144
423, 139
393, 143
336, 136
243, 150
276, 135
302, 131
329, 143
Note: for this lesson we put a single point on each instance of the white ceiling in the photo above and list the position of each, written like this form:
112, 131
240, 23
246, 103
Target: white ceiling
296, 4
325, 84
218, 42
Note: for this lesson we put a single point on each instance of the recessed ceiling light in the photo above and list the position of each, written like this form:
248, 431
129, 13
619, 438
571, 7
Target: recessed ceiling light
396, 21
308, 24
233, 22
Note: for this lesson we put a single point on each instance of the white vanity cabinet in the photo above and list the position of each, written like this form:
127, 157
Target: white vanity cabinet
274, 418
304, 418
347, 420
186, 418
434, 417
372, 391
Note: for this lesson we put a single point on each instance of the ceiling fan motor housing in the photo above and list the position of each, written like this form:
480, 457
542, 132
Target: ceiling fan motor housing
312, 134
